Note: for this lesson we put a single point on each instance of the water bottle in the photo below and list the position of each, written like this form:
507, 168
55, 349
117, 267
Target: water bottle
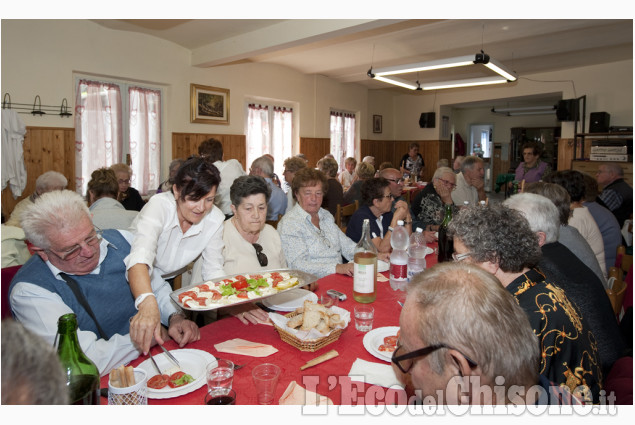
399, 240
416, 253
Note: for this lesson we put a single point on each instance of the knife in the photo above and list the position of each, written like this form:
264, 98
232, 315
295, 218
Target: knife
170, 356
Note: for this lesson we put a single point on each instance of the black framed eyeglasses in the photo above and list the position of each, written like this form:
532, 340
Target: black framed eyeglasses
402, 360
262, 258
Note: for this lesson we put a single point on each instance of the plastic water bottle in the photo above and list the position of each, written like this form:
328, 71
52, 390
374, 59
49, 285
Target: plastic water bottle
416, 253
399, 241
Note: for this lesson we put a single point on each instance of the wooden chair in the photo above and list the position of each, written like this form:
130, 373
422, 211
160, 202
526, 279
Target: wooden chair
345, 211
623, 261
274, 223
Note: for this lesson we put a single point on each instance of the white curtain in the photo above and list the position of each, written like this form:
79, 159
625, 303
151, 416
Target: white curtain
98, 130
145, 138
269, 131
342, 136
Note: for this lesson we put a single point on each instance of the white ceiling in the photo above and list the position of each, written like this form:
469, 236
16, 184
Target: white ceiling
345, 49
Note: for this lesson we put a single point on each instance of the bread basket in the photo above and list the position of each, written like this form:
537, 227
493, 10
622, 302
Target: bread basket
309, 344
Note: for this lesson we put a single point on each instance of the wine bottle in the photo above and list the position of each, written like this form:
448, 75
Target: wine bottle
82, 376
365, 271
446, 244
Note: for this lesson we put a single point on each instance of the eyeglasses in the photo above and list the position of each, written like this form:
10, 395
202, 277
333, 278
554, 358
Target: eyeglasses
126, 181
90, 241
447, 182
391, 196
460, 257
262, 258
398, 181
404, 365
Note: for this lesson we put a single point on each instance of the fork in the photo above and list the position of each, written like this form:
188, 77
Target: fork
155, 363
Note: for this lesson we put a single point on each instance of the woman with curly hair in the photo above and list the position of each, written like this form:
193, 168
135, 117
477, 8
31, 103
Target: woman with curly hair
500, 241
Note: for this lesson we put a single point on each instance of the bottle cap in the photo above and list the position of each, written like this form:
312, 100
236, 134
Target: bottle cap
399, 222
419, 230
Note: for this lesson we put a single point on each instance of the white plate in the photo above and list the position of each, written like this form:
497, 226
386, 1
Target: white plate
290, 300
382, 266
373, 339
193, 362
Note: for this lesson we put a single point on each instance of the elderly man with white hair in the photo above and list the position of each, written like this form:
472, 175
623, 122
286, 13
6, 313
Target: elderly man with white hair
470, 182
277, 205
578, 281
47, 182
79, 269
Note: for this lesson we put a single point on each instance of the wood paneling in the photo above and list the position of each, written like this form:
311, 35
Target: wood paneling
45, 149
234, 145
314, 149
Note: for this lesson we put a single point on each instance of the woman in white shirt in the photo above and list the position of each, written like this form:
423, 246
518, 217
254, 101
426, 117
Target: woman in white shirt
170, 232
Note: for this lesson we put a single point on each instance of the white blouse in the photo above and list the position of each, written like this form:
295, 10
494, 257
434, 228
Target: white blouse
159, 241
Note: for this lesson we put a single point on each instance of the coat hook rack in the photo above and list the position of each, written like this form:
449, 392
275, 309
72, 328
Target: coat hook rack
37, 109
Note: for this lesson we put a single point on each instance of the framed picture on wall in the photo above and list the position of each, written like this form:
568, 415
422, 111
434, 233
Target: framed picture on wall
376, 123
209, 105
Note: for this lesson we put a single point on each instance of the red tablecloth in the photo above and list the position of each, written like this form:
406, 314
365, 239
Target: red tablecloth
329, 378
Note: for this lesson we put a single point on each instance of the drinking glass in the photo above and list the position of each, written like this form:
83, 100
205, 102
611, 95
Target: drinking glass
364, 315
220, 375
266, 380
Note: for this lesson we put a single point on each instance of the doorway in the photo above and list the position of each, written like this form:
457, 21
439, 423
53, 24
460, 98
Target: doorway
481, 145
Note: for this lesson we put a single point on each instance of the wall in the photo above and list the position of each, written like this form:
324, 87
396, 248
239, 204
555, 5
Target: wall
33, 64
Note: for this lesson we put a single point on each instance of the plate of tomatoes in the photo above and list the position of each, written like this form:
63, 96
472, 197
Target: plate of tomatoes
240, 288
176, 381
382, 342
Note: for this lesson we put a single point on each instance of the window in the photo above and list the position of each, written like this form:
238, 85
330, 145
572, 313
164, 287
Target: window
342, 136
113, 120
269, 131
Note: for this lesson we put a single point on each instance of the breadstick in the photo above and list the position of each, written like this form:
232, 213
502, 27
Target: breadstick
123, 377
130, 375
114, 378
324, 357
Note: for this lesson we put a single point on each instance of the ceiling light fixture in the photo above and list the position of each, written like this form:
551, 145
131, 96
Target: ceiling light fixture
504, 75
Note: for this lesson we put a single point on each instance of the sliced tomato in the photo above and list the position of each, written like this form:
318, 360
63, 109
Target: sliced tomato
158, 381
174, 377
216, 295
390, 340
240, 277
275, 275
191, 294
227, 281
204, 287
201, 301
241, 284
256, 276
242, 294
387, 348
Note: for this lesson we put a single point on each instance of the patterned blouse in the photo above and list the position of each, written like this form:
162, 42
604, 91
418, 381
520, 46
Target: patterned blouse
568, 348
428, 208
313, 250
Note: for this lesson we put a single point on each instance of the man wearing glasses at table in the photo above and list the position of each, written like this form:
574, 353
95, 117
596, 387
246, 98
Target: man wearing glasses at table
77, 270
454, 349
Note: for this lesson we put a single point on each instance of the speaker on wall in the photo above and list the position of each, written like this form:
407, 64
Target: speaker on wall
599, 122
426, 120
567, 110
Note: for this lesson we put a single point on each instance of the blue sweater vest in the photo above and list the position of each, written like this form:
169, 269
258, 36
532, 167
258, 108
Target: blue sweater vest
107, 293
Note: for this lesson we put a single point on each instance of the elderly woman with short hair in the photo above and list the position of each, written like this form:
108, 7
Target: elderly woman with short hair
311, 240
101, 194
291, 166
500, 241
364, 171
429, 204
334, 195
377, 208
128, 195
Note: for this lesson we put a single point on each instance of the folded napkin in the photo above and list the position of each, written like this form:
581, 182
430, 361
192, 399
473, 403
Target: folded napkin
296, 394
246, 348
374, 373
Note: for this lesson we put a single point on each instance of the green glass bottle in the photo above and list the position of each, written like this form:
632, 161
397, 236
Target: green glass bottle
446, 244
82, 376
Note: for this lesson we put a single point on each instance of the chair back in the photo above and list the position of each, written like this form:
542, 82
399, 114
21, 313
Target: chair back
274, 223
7, 276
345, 211
616, 294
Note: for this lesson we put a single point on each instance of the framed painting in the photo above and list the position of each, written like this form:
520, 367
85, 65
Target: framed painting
377, 123
209, 105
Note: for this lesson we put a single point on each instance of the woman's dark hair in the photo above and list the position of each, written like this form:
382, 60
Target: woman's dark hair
245, 186
535, 146
103, 183
373, 189
571, 180
307, 177
196, 177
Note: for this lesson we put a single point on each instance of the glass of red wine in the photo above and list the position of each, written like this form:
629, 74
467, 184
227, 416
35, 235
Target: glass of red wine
218, 398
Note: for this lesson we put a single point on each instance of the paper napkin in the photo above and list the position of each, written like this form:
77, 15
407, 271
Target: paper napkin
296, 394
246, 348
382, 278
374, 373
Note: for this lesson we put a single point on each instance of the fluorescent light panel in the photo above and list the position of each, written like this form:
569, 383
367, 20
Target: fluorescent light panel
381, 73
546, 108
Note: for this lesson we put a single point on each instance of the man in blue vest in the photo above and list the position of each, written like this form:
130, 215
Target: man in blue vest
79, 269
